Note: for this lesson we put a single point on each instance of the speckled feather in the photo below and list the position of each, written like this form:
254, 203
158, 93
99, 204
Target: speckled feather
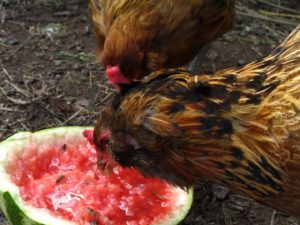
145, 35
239, 127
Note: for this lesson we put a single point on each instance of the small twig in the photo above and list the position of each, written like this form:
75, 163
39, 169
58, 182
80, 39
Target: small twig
7, 73
93, 113
72, 116
95, 97
17, 23
20, 121
268, 13
106, 98
90, 80
39, 20
5, 45
278, 6
273, 218
17, 101
104, 89
40, 92
23, 125
63, 13
22, 102
277, 32
8, 109
274, 20
15, 122
18, 89
257, 51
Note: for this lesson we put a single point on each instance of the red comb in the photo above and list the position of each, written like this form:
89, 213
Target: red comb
115, 75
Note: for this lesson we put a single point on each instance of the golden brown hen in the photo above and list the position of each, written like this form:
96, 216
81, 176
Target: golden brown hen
239, 127
136, 37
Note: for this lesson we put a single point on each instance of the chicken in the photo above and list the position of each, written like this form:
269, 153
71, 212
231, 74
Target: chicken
136, 37
239, 127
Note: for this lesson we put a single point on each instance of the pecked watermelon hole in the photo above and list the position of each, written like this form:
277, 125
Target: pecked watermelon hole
65, 179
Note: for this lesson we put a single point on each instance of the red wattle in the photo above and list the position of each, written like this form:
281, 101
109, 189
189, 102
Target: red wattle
88, 134
105, 136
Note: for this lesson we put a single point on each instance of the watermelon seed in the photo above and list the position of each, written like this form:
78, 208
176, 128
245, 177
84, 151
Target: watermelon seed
60, 177
64, 147
93, 212
101, 164
93, 223
158, 195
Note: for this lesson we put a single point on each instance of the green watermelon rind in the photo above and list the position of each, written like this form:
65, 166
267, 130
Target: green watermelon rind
19, 213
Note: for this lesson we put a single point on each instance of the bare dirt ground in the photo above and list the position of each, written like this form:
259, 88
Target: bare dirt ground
49, 77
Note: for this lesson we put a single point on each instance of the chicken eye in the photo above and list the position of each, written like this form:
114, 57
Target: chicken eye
131, 141
103, 143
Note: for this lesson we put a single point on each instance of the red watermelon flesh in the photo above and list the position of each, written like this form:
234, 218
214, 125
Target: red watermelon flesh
66, 180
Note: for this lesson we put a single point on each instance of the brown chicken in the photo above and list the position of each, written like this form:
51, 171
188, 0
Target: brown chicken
136, 37
239, 127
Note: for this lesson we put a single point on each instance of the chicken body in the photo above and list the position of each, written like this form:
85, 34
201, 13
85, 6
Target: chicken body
239, 127
136, 37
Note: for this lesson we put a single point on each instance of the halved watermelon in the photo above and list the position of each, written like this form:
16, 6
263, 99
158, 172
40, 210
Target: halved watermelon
51, 177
